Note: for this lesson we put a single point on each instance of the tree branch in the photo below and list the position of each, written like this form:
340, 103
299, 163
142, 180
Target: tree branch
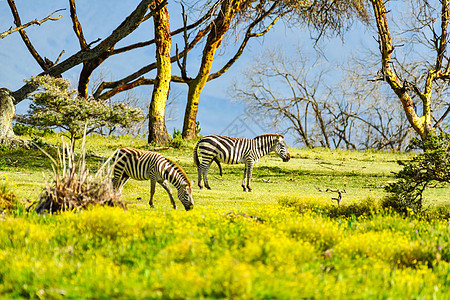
76, 25
124, 29
443, 38
442, 118
173, 33
44, 64
389, 74
34, 22
249, 35
182, 66
148, 68
128, 86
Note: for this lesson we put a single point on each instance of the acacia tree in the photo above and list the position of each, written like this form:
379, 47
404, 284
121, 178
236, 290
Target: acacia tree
323, 16
400, 71
251, 16
157, 131
228, 9
212, 25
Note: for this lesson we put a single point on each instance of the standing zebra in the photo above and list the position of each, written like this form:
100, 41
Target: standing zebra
147, 165
233, 151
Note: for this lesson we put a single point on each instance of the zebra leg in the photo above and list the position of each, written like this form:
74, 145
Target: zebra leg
249, 176
119, 182
152, 191
243, 180
204, 169
200, 185
166, 186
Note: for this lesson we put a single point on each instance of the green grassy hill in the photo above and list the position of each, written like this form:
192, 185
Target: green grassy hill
285, 240
360, 174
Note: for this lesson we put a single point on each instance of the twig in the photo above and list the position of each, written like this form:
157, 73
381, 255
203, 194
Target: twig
338, 199
265, 180
34, 22
159, 148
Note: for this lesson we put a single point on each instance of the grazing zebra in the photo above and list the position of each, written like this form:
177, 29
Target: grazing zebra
147, 165
231, 150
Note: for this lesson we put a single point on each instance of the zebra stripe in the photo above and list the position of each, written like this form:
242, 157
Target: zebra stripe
231, 150
146, 165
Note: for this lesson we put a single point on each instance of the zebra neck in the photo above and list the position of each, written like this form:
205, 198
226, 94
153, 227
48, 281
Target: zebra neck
179, 183
264, 146
178, 178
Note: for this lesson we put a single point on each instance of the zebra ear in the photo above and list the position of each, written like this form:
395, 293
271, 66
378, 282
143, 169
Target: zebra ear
188, 189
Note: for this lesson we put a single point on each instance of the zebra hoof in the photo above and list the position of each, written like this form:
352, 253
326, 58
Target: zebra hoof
209, 188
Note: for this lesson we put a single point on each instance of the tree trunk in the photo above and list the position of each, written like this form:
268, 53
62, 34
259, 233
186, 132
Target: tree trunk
157, 131
7, 113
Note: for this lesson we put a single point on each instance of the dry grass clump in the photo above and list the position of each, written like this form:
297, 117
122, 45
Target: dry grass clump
73, 188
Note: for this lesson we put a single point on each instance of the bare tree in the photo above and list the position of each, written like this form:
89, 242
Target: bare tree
350, 113
414, 58
282, 89
377, 119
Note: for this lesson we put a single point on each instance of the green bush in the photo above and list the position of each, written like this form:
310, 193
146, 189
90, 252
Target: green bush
177, 139
55, 105
432, 164
22, 129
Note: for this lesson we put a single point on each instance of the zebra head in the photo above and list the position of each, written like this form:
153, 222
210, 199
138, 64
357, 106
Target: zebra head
281, 149
185, 196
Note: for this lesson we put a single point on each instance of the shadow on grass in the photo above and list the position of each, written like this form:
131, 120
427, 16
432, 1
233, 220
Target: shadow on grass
19, 158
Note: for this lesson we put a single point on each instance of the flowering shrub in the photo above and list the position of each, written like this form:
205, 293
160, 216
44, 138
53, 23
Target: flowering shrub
265, 252
324, 206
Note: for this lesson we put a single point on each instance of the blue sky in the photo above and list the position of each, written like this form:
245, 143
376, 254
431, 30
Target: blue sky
217, 109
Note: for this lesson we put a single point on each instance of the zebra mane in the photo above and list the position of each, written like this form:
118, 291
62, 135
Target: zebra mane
179, 169
268, 135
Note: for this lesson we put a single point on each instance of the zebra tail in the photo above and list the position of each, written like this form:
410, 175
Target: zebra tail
196, 160
218, 164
